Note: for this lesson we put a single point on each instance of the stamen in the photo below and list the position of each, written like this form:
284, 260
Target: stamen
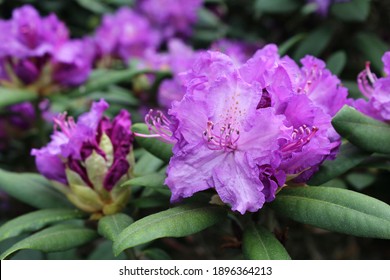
299, 138
366, 81
159, 126
66, 125
226, 139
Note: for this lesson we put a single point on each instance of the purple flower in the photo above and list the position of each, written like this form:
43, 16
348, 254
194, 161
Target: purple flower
376, 90
173, 18
93, 154
239, 51
125, 34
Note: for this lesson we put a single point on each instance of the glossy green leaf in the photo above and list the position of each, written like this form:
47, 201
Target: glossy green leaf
153, 145
336, 62
315, 43
260, 244
32, 189
362, 131
372, 47
354, 10
154, 181
336, 210
348, 157
56, 238
110, 226
10, 96
175, 222
95, 6
36, 220
147, 164
360, 181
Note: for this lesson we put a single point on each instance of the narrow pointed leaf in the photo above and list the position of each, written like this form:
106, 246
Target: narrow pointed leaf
336, 62
56, 238
372, 47
13, 96
175, 222
315, 43
348, 157
336, 210
362, 131
36, 220
354, 10
152, 145
260, 244
32, 189
110, 226
153, 181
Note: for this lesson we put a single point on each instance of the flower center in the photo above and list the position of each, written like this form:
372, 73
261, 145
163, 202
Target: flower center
312, 76
299, 138
366, 81
225, 138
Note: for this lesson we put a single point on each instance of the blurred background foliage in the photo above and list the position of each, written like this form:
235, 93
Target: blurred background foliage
348, 36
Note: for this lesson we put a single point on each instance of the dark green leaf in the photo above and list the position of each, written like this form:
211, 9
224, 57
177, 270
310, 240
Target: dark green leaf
175, 222
336, 210
348, 157
372, 47
315, 43
103, 251
147, 164
32, 189
36, 220
110, 226
260, 244
53, 239
275, 6
156, 254
355, 10
360, 180
154, 146
336, 62
287, 45
353, 89
154, 181
13, 96
362, 131
94, 6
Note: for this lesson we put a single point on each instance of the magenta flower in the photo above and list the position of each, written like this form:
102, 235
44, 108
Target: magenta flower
172, 18
125, 34
376, 90
93, 153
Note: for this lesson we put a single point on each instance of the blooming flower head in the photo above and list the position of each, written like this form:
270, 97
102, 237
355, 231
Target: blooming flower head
376, 90
35, 46
244, 130
239, 51
89, 159
172, 18
125, 34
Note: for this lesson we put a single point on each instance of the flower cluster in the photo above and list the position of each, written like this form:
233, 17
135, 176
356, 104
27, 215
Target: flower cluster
246, 129
39, 53
89, 159
376, 90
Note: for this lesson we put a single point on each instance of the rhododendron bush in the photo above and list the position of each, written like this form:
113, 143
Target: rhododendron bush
214, 129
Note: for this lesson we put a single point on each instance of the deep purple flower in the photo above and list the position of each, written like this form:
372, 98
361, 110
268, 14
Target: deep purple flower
377, 92
92, 153
172, 18
125, 34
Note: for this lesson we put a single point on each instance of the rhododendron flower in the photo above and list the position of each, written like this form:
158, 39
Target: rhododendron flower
90, 158
125, 34
171, 17
376, 90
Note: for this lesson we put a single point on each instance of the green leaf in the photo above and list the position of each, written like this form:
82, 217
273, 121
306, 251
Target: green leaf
287, 45
10, 96
56, 238
154, 181
175, 222
360, 181
355, 10
36, 220
147, 164
94, 6
275, 6
348, 157
104, 78
336, 62
336, 210
32, 189
110, 226
315, 43
372, 47
154, 146
156, 254
260, 244
362, 131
